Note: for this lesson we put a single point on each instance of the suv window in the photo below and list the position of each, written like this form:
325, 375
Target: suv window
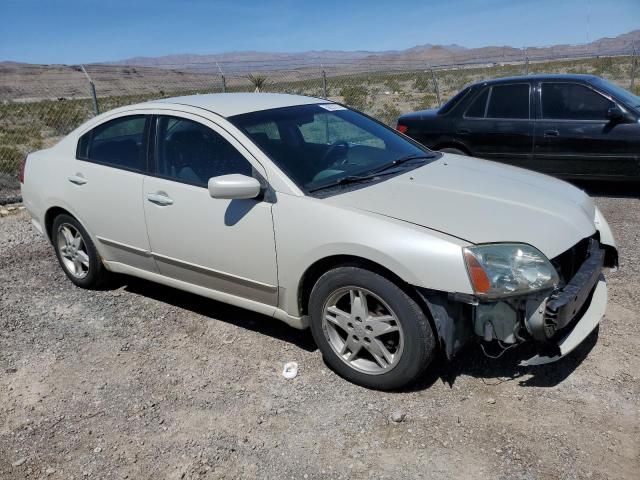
117, 143
190, 152
509, 101
478, 107
571, 101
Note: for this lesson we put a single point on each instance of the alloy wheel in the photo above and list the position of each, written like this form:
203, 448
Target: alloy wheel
363, 330
73, 251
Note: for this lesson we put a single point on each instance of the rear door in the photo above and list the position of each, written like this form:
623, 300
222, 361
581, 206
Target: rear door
574, 137
104, 187
498, 124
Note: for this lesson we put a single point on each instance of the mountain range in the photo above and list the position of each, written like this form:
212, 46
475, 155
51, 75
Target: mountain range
426, 54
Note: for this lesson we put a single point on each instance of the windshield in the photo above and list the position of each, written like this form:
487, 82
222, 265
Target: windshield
322, 144
625, 95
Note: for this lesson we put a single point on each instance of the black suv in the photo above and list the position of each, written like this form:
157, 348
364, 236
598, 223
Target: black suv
571, 126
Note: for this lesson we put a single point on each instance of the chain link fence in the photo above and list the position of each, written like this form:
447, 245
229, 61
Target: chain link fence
41, 104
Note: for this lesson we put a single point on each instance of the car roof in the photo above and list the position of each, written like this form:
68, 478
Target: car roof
229, 104
540, 77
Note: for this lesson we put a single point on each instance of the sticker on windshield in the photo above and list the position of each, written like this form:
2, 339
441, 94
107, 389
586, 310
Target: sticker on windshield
332, 107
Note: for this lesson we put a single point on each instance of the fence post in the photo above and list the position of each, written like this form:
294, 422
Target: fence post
526, 62
224, 80
324, 84
92, 88
435, 85
633, 67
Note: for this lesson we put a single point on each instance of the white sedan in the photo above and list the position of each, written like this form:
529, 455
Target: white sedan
317, 215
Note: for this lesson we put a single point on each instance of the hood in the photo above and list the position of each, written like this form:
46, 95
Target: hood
482, 202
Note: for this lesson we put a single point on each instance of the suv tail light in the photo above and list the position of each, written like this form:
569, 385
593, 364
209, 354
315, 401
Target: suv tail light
402, 128
22, 167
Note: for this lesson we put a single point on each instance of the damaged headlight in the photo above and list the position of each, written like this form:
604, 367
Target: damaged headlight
504, 269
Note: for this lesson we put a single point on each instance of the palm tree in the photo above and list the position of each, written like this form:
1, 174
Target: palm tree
258, 81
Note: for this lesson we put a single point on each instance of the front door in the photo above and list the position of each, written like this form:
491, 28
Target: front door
574, 137
223, 245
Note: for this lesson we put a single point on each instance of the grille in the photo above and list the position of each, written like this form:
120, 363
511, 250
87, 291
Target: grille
568, 262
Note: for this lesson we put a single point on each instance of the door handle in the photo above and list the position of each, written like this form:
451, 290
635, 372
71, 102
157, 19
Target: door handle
78, 179
463, 131
159, 199
551, 133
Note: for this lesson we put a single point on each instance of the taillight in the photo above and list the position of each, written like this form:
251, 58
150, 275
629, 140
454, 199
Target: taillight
22, 167
402, 128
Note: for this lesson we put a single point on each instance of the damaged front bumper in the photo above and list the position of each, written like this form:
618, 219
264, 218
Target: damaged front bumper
555, 321
583, 328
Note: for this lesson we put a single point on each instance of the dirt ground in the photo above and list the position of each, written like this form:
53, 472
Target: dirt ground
142, 381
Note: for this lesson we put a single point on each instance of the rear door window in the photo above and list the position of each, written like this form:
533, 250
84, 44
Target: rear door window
571, 101
117, 143
509, 101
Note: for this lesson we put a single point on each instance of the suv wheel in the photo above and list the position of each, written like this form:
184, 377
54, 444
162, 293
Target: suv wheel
368, 329
76, 253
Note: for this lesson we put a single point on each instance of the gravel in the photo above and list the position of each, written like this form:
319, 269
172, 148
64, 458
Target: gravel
142, 381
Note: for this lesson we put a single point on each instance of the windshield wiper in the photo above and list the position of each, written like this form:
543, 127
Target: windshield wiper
401, 160
376, 172
349, 179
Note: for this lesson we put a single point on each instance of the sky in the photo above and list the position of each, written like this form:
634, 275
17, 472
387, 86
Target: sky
85, 31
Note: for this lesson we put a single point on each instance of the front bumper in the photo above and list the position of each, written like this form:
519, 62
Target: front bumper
555, 322
587, 324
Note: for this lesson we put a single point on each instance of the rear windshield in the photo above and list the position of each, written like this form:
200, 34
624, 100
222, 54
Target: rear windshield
447, 107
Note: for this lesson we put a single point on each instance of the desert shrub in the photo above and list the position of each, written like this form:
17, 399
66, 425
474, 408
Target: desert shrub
428, 100
392, 85
388, 114
355, 96
423, 82
62, 117
10, 158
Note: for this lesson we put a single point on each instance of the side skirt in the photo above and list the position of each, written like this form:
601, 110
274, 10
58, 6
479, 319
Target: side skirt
277, 313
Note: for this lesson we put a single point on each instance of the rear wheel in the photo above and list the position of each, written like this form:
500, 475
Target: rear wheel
76, 253
368, 329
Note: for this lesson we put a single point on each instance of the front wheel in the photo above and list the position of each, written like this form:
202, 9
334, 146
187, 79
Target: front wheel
368, 329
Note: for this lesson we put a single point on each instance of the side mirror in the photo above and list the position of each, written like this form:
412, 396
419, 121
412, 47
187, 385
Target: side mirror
234, 186
615, 114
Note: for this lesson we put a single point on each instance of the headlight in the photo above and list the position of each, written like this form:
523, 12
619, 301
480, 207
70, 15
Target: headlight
504, 269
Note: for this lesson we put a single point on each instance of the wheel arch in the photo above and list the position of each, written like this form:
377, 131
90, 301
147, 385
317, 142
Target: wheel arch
453, 144
323, 265
53, 211
50, 216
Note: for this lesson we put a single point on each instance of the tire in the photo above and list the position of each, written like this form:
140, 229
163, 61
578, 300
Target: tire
82, 265
453, 150
410, 348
